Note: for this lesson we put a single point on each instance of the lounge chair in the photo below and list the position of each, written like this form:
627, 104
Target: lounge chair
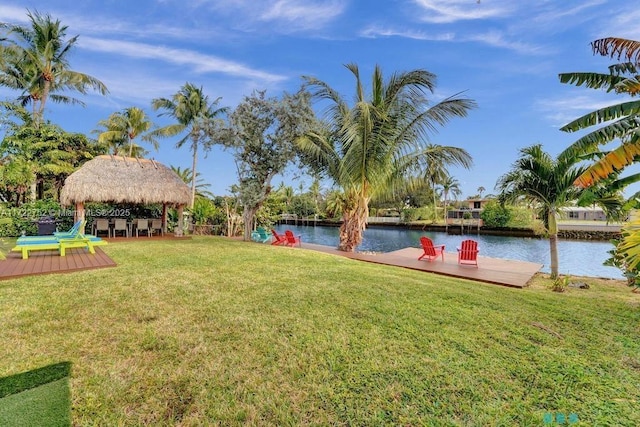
468, 252
430, 251
72, 232
278, 239
61, 244
292, 240
260, 235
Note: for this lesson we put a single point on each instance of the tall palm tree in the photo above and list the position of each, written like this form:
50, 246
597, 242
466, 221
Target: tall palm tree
191, 108
39, 64
449, 186
622, 120
547, 184
122, 128
369, 146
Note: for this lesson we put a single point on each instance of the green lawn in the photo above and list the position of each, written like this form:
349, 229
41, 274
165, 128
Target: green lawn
215, 331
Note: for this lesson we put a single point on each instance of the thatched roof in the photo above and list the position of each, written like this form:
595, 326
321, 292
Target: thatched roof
124, 180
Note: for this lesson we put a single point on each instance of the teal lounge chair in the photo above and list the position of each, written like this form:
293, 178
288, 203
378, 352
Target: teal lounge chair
261, 235
73, 232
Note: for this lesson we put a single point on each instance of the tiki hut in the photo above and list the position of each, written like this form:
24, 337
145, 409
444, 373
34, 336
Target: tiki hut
120, 179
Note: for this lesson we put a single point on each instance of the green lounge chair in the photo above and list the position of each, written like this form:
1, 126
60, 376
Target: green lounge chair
73, 232
261, 235
61, 244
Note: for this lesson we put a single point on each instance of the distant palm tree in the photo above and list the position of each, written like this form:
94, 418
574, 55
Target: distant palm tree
122, 128
369, 146
547, 184
481, 190
196, 115
438, 158
38, 64
621, 121
449, 186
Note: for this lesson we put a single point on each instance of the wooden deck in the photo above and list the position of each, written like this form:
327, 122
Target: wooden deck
45, 262
503, 272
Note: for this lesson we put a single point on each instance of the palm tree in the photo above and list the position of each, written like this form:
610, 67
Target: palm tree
202, 188
196, 115
122, 128
481, 190
449, 186
622, 120
547, 184
438, 158
369, 146
38, 64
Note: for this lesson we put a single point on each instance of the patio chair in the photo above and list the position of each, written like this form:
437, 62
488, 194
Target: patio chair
430, 251
260, 235
121, 225
142, 225
292, 240
156, 224
101, 224
278, 239
468, 252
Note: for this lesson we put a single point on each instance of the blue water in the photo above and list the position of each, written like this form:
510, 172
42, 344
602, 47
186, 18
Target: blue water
579, 258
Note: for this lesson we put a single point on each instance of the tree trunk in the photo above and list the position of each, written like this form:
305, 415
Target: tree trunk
353, 224
553, 252
247, 216
553, 244
193, 173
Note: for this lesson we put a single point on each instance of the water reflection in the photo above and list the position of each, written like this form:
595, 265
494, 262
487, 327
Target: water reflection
583, 258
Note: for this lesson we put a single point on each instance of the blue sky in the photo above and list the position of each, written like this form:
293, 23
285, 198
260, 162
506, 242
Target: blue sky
504, 54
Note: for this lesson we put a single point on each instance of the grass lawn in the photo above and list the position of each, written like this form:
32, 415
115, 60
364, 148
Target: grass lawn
215, 331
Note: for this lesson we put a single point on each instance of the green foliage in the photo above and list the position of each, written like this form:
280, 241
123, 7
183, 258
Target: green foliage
370, 146
36, 63
260, 134
618, 122
417, 214
203, 211
495, 214
560, 283
24, 218
626, 254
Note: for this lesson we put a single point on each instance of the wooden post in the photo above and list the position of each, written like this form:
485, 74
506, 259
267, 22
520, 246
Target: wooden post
164, 218
180, 230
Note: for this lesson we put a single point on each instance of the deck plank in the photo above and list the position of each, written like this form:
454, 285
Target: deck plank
496, 271
45, 262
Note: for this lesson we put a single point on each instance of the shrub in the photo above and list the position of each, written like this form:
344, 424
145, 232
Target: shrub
496, 215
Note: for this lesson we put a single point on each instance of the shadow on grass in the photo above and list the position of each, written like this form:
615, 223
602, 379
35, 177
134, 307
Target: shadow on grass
38, 397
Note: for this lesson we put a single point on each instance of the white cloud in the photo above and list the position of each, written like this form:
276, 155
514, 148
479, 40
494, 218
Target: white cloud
201, 63
303, 14
374, 31
448, 11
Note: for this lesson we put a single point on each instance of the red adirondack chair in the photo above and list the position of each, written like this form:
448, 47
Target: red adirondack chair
431, 251
278, 239
468, 252
292, 240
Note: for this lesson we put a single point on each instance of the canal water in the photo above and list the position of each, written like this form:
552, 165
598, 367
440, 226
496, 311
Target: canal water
576, 257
